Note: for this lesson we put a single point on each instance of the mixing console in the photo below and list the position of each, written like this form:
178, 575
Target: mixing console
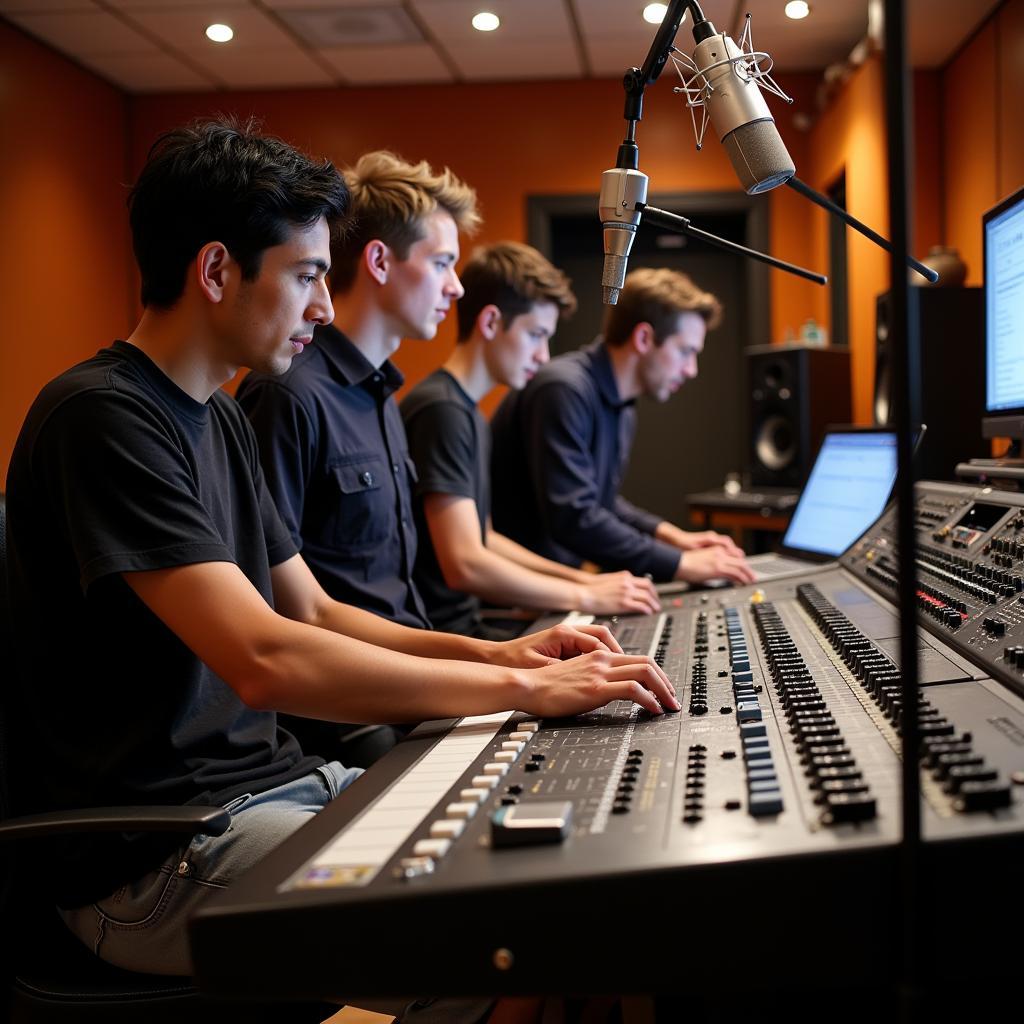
763, 818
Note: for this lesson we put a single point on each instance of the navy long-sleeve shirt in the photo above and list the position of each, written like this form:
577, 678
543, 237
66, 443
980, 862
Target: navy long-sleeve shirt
560, 450
337, 463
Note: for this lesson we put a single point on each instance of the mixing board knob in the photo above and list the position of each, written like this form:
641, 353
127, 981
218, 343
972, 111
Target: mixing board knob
983, 796
843, 808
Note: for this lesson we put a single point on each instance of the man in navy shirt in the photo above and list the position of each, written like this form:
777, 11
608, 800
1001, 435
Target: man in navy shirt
141, 530
561, 445
330, 436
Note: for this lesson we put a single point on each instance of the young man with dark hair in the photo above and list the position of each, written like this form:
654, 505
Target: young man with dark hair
513, 301
142, 536
561, 446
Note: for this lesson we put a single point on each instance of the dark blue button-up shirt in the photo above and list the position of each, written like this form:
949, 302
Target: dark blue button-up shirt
560, 450
337, 463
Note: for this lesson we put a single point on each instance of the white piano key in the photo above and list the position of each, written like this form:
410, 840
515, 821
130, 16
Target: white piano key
432, 847
449, 828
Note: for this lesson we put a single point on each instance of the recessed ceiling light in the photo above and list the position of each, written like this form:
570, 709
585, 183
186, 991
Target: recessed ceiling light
220, 33
797, 9
485, 21
655, 13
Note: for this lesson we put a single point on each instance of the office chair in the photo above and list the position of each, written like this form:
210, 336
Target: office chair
48, 975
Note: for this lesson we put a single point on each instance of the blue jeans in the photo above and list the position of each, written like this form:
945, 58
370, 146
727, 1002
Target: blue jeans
141, 927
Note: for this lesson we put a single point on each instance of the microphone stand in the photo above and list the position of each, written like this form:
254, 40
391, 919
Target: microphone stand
635, 81
905, 329
905, 335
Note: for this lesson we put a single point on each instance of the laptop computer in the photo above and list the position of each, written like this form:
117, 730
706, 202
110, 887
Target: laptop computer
848, 487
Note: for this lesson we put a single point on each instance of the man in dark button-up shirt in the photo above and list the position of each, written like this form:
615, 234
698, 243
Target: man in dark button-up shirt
335, 458
561, 446
331, 439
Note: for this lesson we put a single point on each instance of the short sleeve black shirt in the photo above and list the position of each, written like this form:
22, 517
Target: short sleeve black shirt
451, 446
337, 463
117, 470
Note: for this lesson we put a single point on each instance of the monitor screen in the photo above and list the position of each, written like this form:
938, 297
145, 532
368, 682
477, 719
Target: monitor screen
848, 487
1004, 305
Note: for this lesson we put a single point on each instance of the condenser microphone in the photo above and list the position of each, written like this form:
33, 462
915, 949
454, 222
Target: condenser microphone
623, 195
738, 112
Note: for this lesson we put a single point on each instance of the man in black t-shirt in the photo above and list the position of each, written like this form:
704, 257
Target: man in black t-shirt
513, 301
161, 612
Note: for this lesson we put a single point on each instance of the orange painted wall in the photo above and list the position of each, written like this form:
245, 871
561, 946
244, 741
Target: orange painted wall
64, 257
850, 137
509, 141
983, 146
70, 142
969, 87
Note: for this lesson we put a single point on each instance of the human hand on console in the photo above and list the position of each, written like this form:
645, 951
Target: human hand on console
612, 593
714, 563
592, 680
550, 646
692, 540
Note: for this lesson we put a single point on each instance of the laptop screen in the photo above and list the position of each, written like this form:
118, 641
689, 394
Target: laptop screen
848, 487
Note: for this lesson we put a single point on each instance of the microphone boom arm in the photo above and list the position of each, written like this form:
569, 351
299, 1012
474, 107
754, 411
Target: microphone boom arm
826, 204
681, 225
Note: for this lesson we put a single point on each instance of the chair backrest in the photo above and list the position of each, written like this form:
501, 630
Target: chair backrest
6, 667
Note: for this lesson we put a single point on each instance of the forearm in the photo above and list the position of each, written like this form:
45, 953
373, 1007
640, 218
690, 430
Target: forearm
508, 548
316, 673
499, 580
424, 643
669, 533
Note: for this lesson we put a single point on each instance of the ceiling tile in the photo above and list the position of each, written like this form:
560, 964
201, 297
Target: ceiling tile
377, 25
608, 17
612, 55
520, 59
81, 34
185, 28
151, 72
45, 6
382, 65
128, 6
283, 67
450, 20
326, 5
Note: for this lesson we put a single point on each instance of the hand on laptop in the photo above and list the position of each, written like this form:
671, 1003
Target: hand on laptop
717, 562
692, 540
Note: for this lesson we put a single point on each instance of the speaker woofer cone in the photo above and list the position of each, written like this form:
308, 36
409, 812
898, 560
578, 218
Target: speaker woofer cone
775, 443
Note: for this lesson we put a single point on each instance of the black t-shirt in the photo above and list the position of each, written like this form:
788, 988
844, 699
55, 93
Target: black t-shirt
450, 443
118, 470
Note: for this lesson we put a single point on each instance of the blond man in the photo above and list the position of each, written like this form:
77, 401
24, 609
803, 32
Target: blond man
330, 436
561, 445
513, 301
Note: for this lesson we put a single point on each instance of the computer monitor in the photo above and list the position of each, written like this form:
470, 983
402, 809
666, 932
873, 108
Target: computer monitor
1003, 243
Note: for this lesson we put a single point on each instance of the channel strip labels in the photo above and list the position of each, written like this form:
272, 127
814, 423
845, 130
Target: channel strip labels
356, 855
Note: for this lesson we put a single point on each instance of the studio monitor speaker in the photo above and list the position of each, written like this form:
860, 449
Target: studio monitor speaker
795, 392
952, 376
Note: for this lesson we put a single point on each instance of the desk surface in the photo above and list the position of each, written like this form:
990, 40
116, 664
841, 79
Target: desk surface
776, 499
